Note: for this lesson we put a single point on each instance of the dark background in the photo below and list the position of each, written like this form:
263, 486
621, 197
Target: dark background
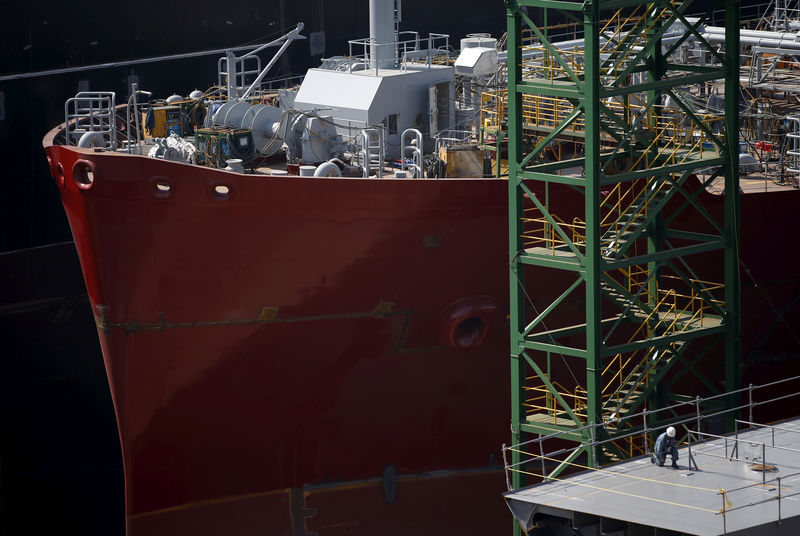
60, 463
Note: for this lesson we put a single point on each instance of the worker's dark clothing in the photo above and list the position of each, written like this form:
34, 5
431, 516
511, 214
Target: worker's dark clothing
665, 445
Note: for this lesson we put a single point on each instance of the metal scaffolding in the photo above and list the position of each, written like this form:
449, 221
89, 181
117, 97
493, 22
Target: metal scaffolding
604, 118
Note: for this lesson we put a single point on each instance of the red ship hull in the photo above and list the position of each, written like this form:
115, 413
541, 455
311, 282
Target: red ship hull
311, 355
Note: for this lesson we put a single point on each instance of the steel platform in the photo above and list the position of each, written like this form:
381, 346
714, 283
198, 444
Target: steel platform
723, 495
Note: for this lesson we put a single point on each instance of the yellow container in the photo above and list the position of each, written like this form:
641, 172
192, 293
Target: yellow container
161, 121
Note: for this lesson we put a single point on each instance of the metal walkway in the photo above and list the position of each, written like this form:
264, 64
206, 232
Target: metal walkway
719, 488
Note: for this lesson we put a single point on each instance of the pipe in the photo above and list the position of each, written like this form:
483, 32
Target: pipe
328, 169
381, 33
752, 33
791, 45
91, 139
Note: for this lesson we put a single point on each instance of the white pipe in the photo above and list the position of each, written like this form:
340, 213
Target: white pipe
577, 43
713, 38
231, 64
753, 33
328, 169
381, 32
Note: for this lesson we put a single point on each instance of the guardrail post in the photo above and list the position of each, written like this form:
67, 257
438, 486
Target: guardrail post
541, 455
724, 523
691, 457
764, 463
505, 468
750, 390
779, 501
645, 431
697, 410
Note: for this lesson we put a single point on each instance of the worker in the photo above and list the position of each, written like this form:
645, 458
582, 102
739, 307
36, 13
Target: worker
665, 444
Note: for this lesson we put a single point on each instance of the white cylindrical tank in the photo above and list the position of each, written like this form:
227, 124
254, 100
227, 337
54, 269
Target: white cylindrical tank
381, 31
483, 40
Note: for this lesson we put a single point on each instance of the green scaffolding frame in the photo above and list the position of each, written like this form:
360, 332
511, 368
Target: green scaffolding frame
637, 51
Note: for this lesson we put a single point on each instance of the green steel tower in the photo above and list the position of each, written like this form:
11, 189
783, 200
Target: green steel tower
611, 125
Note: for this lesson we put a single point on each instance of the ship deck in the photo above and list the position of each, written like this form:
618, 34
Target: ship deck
643, 498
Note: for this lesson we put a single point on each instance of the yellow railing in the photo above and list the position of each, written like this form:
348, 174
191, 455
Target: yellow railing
493, 108
539, 232
698, 303
539, 399
673, 313
542, 63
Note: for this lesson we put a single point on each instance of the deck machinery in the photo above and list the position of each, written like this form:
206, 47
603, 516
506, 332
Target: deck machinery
632, 145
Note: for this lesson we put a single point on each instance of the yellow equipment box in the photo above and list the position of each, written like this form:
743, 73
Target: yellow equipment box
161, 121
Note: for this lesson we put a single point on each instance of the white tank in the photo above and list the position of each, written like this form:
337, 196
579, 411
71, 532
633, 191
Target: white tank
483, 40
174, 98
196, 94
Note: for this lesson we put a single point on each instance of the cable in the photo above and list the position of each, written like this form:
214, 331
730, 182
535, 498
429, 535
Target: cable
766, 298
564, 359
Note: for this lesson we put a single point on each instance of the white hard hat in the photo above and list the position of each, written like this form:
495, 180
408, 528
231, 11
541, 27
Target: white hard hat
671, 431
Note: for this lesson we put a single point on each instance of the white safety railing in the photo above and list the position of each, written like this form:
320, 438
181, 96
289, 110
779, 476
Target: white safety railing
417, 50
91, 116
133, 103
446, 138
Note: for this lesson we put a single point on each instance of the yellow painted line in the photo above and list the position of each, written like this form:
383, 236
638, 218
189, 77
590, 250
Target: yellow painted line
614, 491
619, 474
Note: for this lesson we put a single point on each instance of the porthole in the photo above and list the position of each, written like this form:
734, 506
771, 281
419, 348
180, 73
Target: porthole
84, 175
220, 191
160, 187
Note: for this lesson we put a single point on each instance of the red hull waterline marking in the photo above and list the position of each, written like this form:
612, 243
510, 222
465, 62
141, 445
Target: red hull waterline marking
312, 355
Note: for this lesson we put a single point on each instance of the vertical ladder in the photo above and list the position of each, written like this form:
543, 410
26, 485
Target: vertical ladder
372, 152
